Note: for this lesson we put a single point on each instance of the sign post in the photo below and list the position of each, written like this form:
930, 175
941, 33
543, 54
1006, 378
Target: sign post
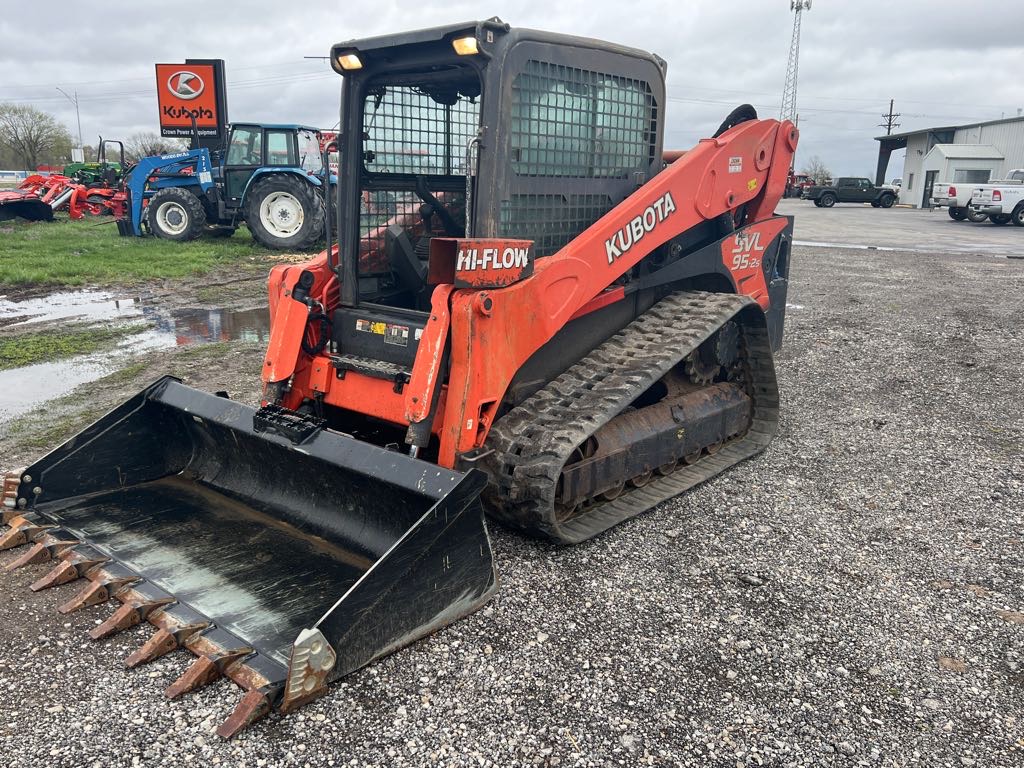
193, 89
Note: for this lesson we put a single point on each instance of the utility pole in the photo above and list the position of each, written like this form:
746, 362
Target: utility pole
788, 111
78, 115
890, 119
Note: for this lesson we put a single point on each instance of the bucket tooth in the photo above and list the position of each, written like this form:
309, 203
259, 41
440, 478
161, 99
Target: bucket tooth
252, 707
204, 671
200, 673
9, 505
22, 532
41, 552
71, 568
128, 615
97, 592
162, 642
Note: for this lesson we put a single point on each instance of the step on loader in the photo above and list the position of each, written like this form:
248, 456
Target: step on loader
526, 308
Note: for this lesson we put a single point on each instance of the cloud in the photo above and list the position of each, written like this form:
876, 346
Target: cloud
855, 56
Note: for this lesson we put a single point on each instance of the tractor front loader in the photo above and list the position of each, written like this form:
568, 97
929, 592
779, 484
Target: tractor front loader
530, 310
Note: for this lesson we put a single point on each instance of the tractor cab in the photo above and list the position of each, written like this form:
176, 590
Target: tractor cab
253, 149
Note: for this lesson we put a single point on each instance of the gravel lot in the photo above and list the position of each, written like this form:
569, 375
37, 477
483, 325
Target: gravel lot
852, 596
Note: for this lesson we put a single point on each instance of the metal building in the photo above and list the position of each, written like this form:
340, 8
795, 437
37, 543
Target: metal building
973, 153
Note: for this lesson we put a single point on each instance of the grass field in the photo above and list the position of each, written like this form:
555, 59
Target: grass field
26, 349
65, 252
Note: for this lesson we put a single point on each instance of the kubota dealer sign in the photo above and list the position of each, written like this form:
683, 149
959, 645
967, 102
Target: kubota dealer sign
190, 90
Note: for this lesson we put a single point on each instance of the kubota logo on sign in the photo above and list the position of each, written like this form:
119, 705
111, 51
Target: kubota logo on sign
186, 84
185, 91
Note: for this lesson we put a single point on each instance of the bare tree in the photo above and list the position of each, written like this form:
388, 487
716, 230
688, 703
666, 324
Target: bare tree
32, 135
815, 168
147, 143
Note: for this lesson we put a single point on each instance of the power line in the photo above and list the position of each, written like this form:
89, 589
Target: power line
869, 99
824, 110
150, 92
141, 79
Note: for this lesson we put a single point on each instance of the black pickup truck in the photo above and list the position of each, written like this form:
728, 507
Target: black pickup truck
851, 189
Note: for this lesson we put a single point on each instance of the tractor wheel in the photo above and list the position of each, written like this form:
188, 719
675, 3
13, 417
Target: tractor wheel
1017, 217
175, 213
284, 212
974, 216
999, 219
887, 200
956, 214
828, 200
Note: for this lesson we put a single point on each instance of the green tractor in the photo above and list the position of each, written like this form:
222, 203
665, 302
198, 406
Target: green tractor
101, 173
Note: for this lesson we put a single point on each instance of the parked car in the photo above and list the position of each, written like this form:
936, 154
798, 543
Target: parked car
895, 185
1002, 201
851, 189
956, 199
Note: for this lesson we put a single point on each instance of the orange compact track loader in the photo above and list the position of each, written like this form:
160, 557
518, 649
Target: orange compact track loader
525, 308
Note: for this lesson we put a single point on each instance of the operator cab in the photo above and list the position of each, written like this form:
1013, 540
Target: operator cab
557, 140
253, 146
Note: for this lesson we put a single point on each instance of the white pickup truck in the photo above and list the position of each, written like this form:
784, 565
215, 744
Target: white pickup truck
1003, 201
955, 197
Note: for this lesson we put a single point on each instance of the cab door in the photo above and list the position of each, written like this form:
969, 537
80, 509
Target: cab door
866, 191
244, 156
846, 190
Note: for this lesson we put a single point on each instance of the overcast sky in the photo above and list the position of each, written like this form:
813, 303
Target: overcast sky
855, 56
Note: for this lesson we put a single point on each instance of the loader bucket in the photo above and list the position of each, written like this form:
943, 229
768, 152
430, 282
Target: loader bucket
282, 555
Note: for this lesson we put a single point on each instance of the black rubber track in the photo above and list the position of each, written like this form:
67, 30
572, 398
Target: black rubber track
532, 443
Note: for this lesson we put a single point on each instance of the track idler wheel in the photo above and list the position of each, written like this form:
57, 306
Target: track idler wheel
641, 480
613, 493
691, 458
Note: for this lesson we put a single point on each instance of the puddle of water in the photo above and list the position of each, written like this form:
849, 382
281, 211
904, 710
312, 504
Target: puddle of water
24, 388
77, 305
174, 328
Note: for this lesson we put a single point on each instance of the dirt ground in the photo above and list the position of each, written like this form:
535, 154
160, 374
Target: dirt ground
852, 596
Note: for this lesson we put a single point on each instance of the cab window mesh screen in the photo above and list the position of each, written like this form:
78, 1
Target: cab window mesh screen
571, 122
407, 131
411, 131
550, 221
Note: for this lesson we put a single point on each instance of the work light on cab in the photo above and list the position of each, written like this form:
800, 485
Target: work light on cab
465, 46
349, 61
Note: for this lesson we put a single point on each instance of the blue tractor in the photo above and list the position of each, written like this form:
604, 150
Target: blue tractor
270, 176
